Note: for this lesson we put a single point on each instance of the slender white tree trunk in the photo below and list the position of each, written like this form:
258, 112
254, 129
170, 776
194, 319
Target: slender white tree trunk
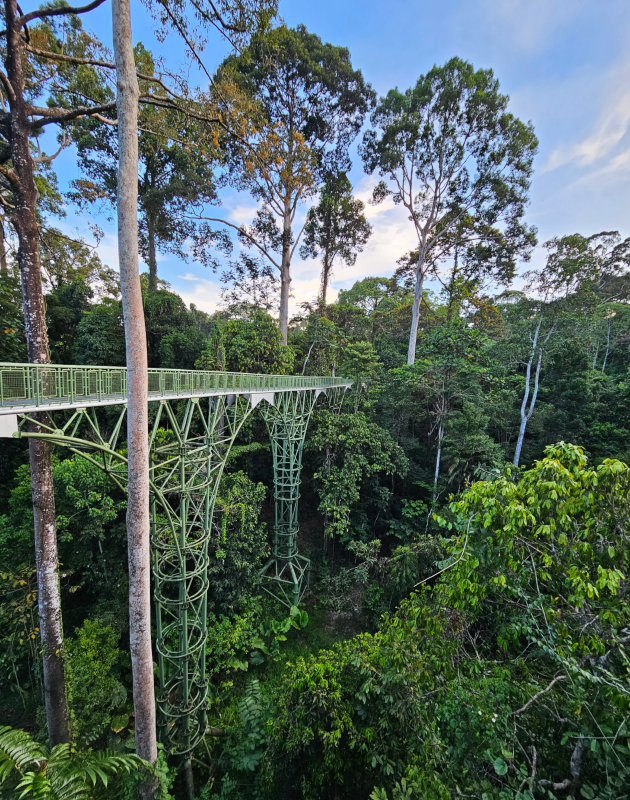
308, 355
138, 527
525, 412
285, 273
437, 461
607, 348
415, 310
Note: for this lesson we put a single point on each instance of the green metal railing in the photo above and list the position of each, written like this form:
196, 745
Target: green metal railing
188, 450
31, 386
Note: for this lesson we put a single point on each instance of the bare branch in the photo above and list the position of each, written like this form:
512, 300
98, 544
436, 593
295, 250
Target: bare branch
42, 159
540, 693
90, 62
225, 26
104, 119
9, 174
58, 11
93, 62
557, 787
450, 566
57, 115
7, 86
242, 232
189, 44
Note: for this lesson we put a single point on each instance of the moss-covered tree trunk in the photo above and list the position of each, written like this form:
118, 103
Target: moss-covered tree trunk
21, 176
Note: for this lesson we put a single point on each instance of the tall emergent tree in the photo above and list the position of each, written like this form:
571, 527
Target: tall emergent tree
581, 274
450, 152
138, 520
311, 107
232, 18
336, 228
26, 85
175, 172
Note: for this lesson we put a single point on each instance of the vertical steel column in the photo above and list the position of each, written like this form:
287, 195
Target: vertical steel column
287, 421
187, 461
187, 458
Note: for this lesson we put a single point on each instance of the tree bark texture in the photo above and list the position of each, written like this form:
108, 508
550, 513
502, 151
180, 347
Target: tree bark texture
607, 348
24, 220
525, 413
417, 296
138, 521
415, 315
4, 269
285, 274
151, 257
327, 266
438, 457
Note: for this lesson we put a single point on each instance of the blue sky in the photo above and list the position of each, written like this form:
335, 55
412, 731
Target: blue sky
564, 63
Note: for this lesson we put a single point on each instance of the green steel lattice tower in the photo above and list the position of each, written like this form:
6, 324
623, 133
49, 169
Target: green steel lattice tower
190, 441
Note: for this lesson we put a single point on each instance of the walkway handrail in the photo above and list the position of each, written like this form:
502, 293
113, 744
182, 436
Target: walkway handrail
27, 387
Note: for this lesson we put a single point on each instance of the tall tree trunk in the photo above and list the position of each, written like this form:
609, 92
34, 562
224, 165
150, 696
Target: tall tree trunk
525, 413
437, 461
607, 348
326, 267
4, 269
138, 525
152, 260
24, 220
285, 273
451, 287
415, 310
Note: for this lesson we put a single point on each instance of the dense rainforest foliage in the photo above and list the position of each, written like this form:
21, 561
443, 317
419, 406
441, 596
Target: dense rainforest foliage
466, 512
440, 603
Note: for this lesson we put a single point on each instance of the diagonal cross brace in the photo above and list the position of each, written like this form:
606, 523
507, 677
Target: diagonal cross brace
188, 452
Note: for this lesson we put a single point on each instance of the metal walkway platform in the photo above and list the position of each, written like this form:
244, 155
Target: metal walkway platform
189, 444
25, 388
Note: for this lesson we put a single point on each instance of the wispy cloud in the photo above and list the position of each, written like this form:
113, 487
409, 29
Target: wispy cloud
613, 123
205, 294
528, 25
392, 236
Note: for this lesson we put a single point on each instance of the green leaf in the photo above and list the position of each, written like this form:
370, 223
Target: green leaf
120, 722
500, 767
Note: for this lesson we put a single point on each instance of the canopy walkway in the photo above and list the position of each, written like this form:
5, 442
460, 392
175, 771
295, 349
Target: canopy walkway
196, 421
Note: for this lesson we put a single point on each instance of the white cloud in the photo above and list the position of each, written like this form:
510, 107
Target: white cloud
204, 293
393, 236
527, 26
240, 209
613, 122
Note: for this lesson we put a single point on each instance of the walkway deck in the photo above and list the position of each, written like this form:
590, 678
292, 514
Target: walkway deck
25, 388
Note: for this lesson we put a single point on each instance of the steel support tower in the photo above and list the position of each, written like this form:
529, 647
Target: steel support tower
198, 417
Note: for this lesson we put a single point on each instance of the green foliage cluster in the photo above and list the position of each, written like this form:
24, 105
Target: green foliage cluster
357, 453
465, 632
508, 675
252, 343
59, 774
97, 698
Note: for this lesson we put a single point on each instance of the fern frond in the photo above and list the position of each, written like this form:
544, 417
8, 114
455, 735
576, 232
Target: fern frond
105, 764
19, 751
62, 774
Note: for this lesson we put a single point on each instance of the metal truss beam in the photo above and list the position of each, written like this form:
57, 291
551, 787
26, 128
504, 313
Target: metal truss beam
287, 421
25, 388
189, 444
